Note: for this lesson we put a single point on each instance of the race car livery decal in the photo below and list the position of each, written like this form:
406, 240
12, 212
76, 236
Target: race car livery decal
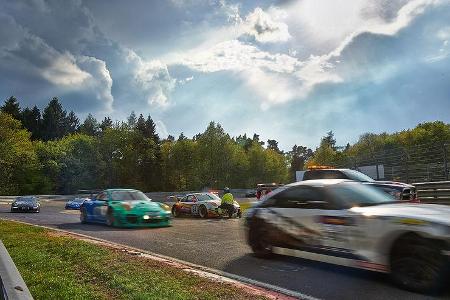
290, 227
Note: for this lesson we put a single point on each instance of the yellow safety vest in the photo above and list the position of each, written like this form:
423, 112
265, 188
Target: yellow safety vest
228, 198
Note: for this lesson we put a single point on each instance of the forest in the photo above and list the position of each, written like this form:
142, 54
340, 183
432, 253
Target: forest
53, 152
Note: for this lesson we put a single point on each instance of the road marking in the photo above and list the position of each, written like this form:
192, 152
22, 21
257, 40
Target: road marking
219, 274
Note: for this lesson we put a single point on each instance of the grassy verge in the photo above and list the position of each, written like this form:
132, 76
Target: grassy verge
60, 267
245, 206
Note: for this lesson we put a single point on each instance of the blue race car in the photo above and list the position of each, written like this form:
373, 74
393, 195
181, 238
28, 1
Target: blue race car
125, 208
75, 203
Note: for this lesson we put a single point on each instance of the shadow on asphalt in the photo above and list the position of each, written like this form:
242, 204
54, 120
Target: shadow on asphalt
99, 227
285, 264
294, 267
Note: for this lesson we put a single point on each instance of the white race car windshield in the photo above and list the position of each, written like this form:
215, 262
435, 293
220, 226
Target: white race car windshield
356, 194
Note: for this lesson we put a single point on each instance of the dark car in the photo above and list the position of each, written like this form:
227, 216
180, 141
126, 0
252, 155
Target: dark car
26, 204
400, 190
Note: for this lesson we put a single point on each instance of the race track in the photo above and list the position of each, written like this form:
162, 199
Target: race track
220, 244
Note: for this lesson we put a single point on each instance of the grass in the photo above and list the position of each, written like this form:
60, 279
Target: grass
55, 266
245, 206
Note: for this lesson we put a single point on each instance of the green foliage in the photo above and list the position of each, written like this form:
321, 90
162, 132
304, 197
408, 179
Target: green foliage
18, 161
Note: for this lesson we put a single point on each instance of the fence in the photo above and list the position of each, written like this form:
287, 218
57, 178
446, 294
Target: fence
434, 192
418, 163
12, 286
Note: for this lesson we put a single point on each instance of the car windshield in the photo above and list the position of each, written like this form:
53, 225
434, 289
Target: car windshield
79, 200
358, 176
356, 194
129, 196
206, 197
26, 199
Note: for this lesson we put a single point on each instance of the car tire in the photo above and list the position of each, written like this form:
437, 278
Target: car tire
418, 265
83, 215
175, 213
110, 221
239, 214
257, 238
203, 212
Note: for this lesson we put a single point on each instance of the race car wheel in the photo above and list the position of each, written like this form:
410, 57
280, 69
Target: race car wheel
203, 212
110, 221
257, 237
83, 215
418, 265
239, 214
175, 212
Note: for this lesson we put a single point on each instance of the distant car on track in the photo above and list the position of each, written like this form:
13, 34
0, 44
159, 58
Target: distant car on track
125, 208
26, 204
204, 205
356, 225
75, 203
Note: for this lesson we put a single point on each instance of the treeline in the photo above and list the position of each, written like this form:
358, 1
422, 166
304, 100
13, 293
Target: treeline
54, 152
426, 143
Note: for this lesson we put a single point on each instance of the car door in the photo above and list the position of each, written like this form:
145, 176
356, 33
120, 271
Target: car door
186, 204
292, 213
100, 207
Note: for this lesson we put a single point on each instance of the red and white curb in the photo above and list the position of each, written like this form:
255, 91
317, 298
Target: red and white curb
253, 286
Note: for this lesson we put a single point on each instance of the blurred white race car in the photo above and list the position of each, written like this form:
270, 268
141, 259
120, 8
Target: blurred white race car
204, 205
351, 224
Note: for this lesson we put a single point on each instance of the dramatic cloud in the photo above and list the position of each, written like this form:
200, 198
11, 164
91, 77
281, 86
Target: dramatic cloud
26, 55
153, 78
290, 70
264, 28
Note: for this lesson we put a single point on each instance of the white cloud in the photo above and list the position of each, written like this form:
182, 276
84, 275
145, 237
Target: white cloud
237, 56
265, 27
100, 81
30, 55
161, 128
152, 78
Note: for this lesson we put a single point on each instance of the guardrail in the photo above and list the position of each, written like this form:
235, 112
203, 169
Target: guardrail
12, 286
434, 192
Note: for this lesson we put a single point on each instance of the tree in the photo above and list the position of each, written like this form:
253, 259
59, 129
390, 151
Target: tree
106, 123
298, 157
131, 121
90, 126
19, 170
72, 123
54, 121
12, 107
273, 145
32, 121
329, 140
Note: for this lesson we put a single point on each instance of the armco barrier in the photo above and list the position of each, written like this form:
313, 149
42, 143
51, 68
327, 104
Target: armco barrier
434, 192
11, 283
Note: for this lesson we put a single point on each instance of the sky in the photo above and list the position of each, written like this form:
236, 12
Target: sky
287, 70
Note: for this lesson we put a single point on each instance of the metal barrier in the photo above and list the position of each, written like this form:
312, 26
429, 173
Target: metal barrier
434, 192
11, 283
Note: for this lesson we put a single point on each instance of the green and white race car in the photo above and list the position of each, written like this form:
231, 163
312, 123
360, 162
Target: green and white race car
125, 208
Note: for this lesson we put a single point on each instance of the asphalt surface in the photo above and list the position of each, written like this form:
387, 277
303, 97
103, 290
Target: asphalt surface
220, 244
